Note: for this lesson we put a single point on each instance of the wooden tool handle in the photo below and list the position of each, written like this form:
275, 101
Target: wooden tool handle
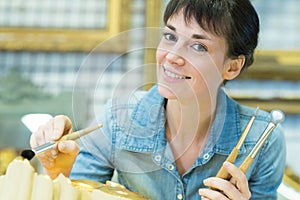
78, 134
246, 164
231, 158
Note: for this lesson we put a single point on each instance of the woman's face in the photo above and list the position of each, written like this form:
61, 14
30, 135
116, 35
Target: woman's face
190, 61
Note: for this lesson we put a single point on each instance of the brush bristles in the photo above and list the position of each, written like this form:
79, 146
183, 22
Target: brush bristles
28, 154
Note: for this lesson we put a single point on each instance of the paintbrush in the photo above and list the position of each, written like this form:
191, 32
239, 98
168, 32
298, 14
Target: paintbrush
30, 153
276, 117
233, 154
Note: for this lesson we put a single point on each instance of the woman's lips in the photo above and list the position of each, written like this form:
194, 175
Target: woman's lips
174, 75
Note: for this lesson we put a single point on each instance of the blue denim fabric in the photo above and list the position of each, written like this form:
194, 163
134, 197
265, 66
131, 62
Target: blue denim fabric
133, 143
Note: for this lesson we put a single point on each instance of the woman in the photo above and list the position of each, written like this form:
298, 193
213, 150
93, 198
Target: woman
170, 142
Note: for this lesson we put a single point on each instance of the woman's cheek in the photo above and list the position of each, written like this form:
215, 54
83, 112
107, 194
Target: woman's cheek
160, 54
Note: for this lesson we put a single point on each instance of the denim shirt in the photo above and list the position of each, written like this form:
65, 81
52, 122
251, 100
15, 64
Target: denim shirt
133, 142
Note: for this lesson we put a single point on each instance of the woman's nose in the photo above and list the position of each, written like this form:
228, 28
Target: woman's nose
175, 58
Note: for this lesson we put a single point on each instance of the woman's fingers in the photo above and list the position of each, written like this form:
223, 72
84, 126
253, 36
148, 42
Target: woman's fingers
207, 193
204, 198
223, 189
60, 159
38, 137
237, 188
53, 130
239, 179
68, 147
61, 126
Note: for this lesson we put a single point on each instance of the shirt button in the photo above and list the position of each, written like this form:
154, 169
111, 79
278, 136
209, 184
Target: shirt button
179, 196
157, 158
170, 166
206, 156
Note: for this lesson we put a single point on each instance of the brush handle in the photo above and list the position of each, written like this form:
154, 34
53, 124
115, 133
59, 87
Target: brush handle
77, 134
246, 164
73, 136
231, 158
234, 153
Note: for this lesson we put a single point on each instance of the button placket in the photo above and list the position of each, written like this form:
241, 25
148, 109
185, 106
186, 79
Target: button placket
170, 166
206, 156
157, 158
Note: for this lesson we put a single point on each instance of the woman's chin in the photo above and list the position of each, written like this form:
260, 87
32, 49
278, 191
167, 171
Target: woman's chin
166, 92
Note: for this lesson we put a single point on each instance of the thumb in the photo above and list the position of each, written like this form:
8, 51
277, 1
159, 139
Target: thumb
68, 147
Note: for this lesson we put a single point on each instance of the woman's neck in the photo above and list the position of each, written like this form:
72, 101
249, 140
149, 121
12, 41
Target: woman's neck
187, 129
190, 121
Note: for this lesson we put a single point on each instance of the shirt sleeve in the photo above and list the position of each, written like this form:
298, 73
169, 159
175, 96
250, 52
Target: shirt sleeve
94, 161
267, 175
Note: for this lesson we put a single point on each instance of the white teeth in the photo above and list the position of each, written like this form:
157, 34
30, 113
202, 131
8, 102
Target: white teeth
172, 75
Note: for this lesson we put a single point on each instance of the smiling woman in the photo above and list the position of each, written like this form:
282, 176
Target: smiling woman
191, 55
184, 127
179, 132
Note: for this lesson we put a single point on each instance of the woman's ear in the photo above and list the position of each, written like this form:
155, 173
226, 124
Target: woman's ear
233, 67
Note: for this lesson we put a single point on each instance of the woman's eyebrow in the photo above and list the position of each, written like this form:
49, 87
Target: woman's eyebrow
195, 36
171, 27
202, 37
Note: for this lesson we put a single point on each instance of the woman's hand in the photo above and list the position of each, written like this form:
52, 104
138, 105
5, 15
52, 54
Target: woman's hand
60, 159
235, 189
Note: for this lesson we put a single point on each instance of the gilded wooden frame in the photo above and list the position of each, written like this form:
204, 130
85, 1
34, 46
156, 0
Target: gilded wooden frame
34, 39
274, 65
153, 20
281, 65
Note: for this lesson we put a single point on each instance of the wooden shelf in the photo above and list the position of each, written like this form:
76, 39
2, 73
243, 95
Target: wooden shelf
274, 65
289, 106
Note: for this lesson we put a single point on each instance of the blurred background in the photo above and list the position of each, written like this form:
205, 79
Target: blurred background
69, 57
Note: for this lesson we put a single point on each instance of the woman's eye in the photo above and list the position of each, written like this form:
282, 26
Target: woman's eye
199, 47
170, 36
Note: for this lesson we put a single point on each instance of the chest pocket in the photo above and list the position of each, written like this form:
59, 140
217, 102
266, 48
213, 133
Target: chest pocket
134, 162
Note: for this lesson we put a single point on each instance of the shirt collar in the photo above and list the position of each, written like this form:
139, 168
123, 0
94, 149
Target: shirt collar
146, 123
149, 109
226, 127
224, 133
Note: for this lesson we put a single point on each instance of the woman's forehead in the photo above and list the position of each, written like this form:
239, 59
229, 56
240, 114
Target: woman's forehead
205, 24
191, 30
190, 27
